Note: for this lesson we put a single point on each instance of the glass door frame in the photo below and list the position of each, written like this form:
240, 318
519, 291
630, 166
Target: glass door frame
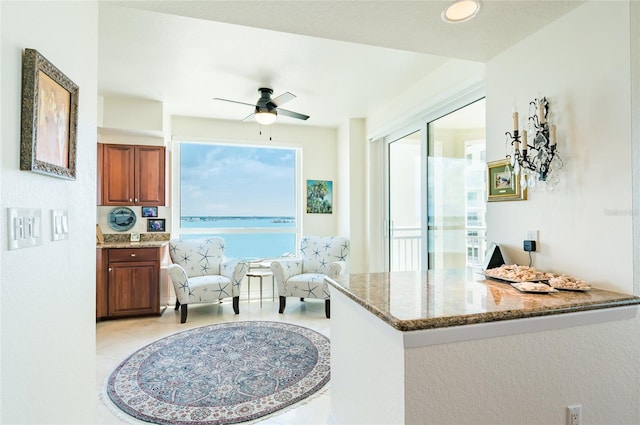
421, 123
418, 126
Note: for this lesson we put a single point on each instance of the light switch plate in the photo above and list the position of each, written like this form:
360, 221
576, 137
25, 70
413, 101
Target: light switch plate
59, 225
24, 227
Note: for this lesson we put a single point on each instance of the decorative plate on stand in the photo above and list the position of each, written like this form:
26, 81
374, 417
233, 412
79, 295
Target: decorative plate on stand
122, 219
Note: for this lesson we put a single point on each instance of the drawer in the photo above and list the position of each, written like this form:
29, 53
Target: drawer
133, 254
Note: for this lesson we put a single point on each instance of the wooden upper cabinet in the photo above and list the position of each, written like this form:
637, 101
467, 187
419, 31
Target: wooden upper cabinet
131, 175
118, 175
149, 175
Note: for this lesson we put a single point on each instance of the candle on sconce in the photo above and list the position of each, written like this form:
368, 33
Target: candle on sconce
553, 135
515, 120
524, 140
541, 112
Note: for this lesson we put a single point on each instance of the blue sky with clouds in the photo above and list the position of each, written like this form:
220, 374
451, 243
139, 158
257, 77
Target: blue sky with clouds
229, 180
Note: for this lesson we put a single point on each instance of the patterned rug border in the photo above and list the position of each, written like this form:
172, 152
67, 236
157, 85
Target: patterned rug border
318, 388
116, 411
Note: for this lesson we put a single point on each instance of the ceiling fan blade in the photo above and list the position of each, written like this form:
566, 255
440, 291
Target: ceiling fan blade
234, 101
292, 114
248, 117
283, 98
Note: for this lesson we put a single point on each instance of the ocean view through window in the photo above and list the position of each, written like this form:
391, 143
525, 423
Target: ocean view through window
244, 194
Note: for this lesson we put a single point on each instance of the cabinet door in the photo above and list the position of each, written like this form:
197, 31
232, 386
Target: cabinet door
118, 175
133, 288
149, 175
102, 293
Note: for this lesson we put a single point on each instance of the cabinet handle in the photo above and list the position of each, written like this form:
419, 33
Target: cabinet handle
136, 199
133, 255
130, 200
109, 268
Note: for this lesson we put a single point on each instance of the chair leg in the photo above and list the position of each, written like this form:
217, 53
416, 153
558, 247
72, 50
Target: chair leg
302, 299
236, 304
177, 304
283, 304
183, 313
327, 308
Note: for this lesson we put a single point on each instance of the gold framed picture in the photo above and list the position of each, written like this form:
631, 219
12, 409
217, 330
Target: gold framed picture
49, 119
502, 184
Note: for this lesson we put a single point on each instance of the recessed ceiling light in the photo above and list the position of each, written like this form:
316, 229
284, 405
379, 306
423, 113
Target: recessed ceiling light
461, 11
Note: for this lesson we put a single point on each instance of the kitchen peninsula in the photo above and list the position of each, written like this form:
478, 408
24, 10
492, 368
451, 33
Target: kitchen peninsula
452, 347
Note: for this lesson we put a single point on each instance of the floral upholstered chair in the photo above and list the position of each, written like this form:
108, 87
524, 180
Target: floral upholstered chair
200, 273
304, 277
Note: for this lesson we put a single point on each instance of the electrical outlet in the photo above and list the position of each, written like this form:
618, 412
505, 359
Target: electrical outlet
532, 235
573, 415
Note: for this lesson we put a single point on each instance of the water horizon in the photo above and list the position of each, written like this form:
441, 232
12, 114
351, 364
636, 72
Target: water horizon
247, 245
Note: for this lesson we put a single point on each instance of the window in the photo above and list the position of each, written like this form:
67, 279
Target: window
245, 194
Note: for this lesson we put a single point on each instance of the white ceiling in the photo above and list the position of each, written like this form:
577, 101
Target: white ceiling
343, 59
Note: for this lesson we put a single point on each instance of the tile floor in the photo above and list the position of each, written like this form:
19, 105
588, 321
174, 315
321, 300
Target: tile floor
117, 339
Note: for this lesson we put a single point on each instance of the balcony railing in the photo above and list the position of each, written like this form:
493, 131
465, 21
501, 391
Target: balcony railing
406, 247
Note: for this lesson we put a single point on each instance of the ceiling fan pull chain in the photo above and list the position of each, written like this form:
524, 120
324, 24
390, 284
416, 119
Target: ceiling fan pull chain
269, 133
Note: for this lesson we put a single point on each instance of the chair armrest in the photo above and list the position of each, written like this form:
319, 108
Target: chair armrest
234, 268
180, 282
336, 268
284, 269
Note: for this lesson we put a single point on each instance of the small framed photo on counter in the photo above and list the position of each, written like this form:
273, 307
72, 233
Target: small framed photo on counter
155, 225
149, 211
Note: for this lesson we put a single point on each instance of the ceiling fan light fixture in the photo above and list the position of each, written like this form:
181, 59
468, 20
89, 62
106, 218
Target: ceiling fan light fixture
266, 117
460, 11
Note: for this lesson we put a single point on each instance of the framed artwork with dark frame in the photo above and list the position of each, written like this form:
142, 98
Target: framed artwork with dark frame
319, 196
49, 120
156, 225
149, 211
502, 184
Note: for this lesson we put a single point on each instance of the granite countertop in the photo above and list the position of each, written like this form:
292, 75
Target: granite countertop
437, 299
123, 240
141, 244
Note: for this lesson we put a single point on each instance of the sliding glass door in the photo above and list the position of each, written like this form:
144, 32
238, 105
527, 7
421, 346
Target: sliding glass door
456, 189
436, 192
405, 201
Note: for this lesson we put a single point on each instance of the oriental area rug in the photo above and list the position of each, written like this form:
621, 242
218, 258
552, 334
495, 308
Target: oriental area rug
221, 374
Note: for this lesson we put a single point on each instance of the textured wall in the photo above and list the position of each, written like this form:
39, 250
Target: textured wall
48, 291
528, 379
581, 64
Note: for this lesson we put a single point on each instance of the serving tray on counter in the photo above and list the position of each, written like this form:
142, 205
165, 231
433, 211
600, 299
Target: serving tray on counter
572, 289
507, 280
547, 290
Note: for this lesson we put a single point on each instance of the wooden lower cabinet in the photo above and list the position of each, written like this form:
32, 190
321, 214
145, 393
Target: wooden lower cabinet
131, 282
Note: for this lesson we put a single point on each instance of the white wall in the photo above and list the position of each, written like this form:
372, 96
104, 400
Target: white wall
634, 24
528, 379
581, 64
2, 231
48, 292
427, 95
130, 113
319, 156
353, 216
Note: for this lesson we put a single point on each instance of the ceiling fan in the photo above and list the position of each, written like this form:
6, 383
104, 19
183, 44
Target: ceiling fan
267, 109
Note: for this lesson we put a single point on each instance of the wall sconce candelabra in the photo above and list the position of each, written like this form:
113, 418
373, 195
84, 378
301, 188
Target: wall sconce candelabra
538, 162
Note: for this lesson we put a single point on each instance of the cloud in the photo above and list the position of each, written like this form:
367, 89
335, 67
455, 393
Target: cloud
221, 180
